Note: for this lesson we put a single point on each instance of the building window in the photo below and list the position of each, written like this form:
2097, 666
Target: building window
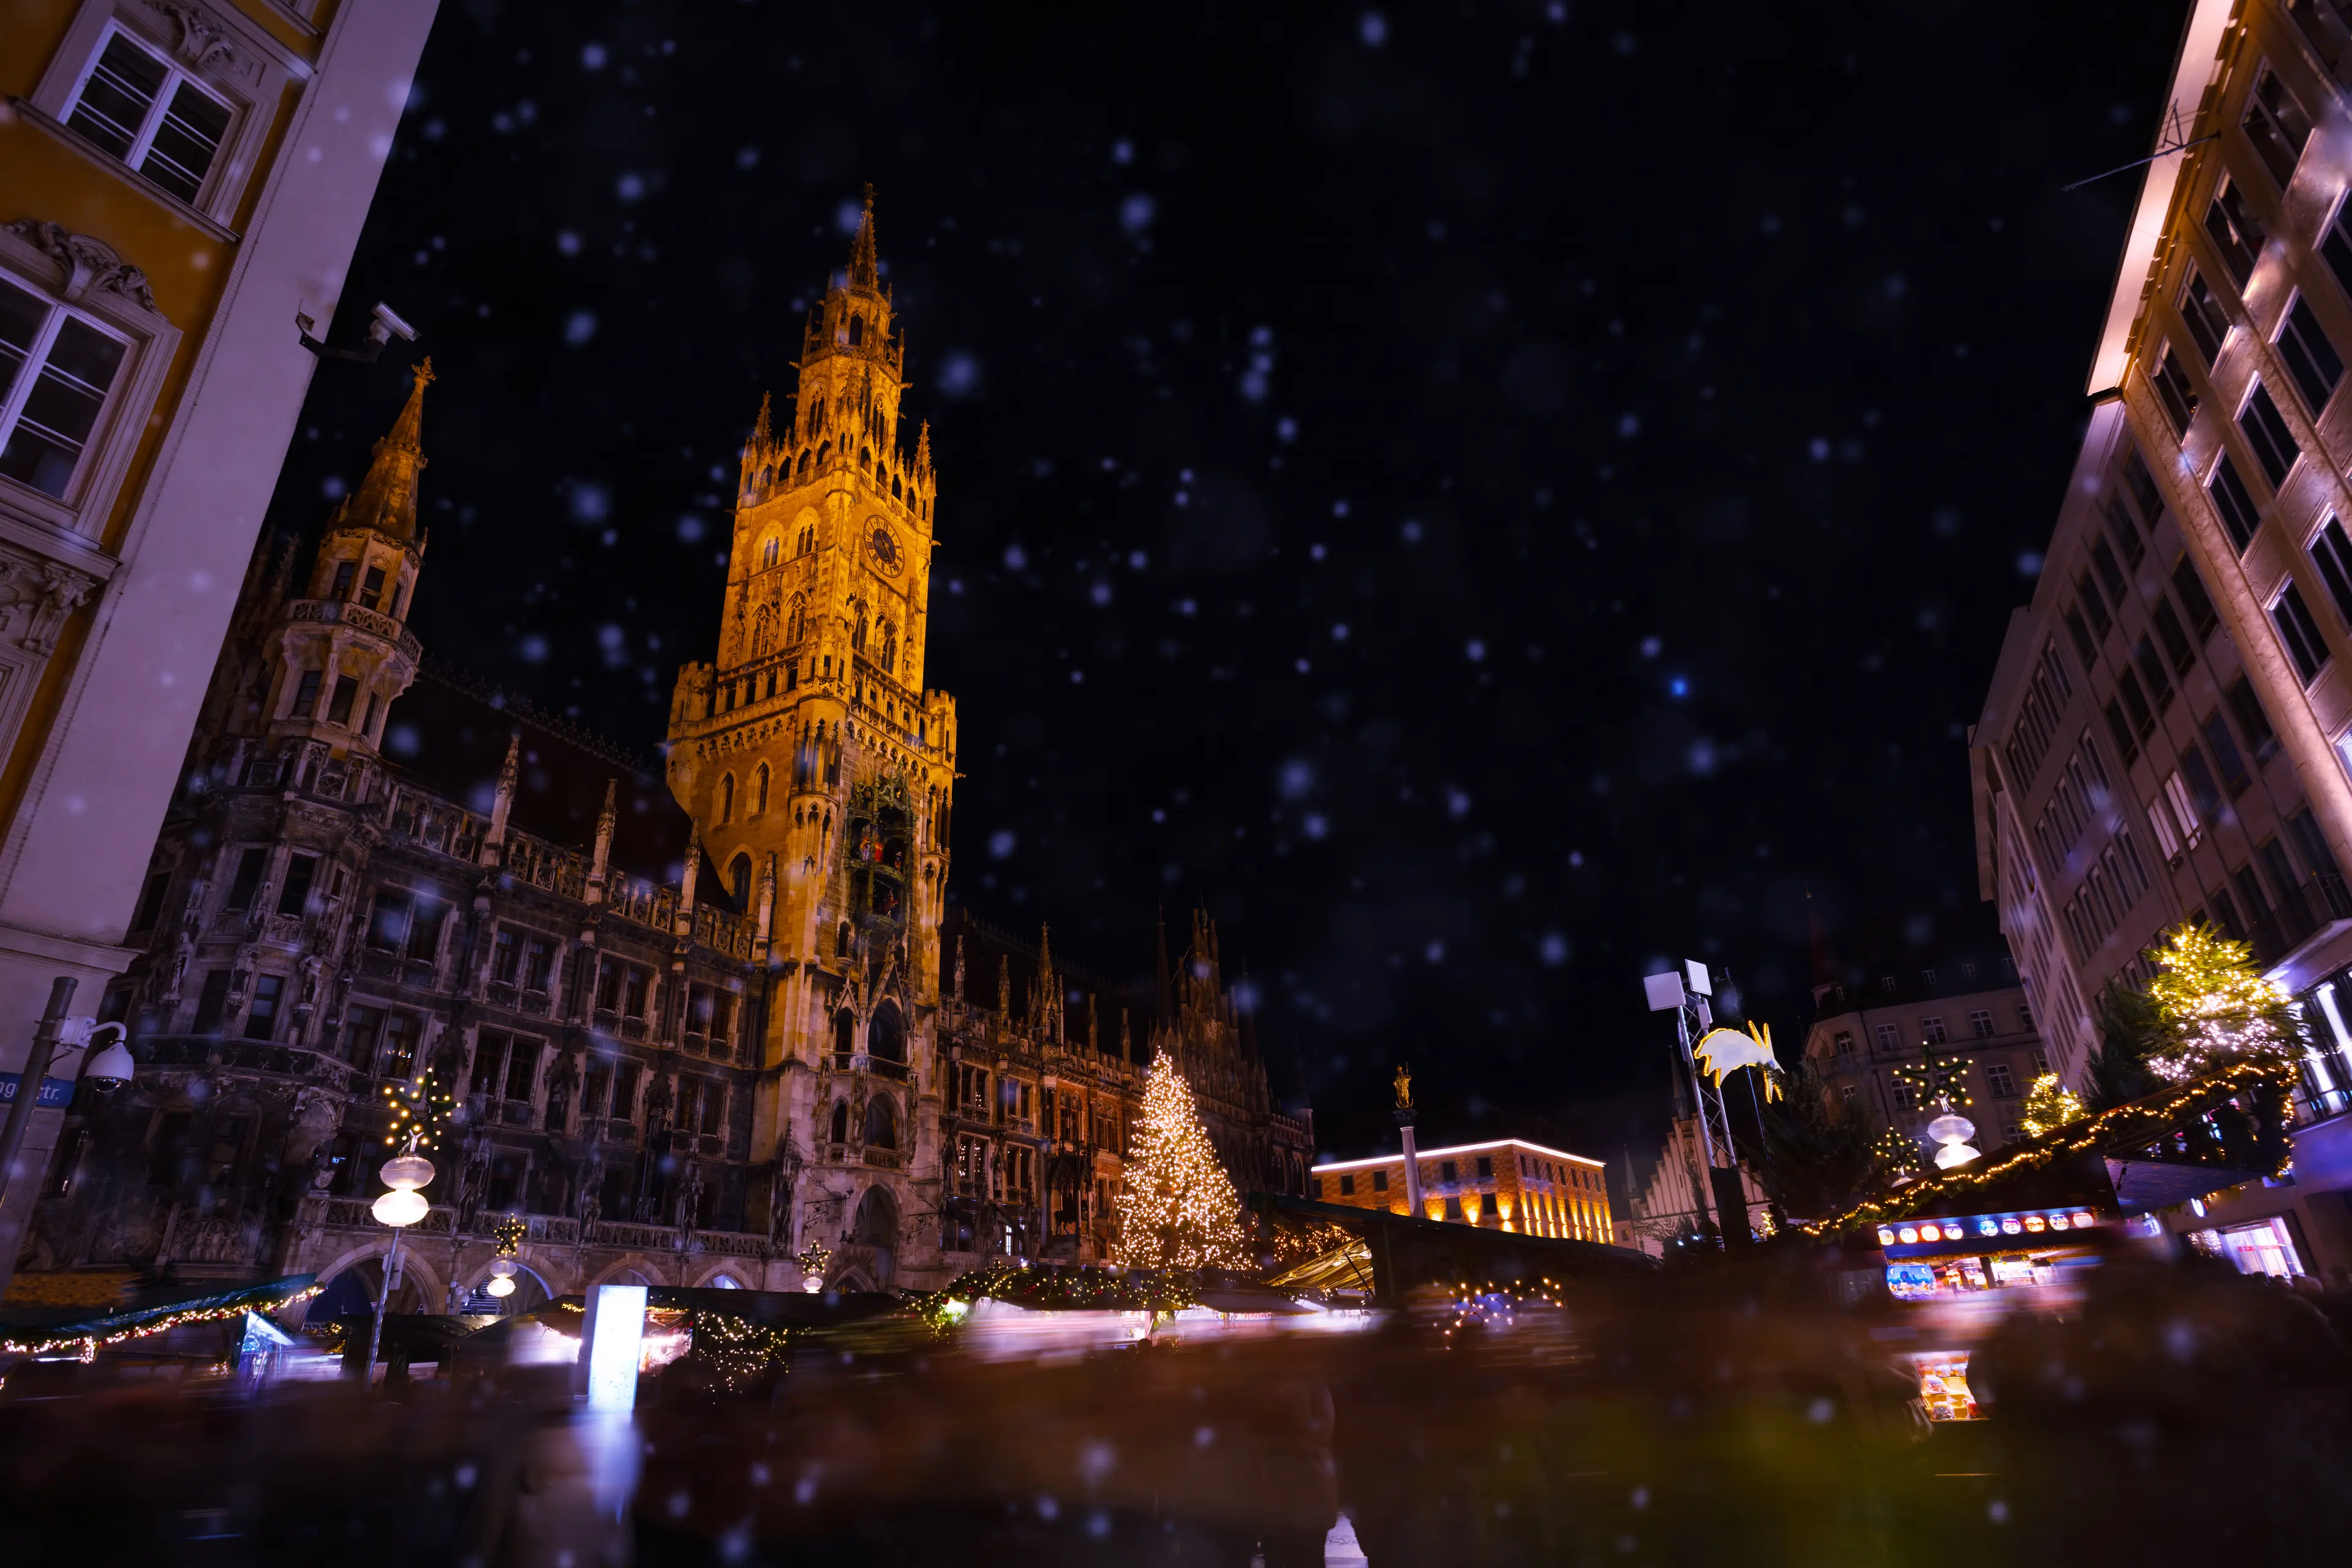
1447, 1172
2226, 755
1932, 1031
2194, 601
150, 901
2208, 323
1980, 1023
1886, 1037
2300, 632
247, 880
538, 964
1998, 1075
294, 896
261, 1017
2236, 231
398, 1058
339, 705
55, 369
212, 1003
624, 1091
505, 955
138, 107
2174, 390
362, 1032
1454, 1210
2266, 430
2173, 635
2310, 358
2276, 125
489, 1058
2234, 502
1379, 1181
2252, 722
1843, 1045
1348, 1186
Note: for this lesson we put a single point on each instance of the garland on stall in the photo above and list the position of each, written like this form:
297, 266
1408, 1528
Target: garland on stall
91, 1344
1492, 1304
2110, 1126
736, 1351
1047, 1289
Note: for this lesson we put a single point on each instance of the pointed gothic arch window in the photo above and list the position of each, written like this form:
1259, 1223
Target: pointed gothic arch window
841, 1121
896, 492
763, 631
769, 551
890, 640
796, 624
881, 1124
856, 330
886, 1035
760, 789
857, 637
844, 1032
805, 458
739, 873
727, 798
842, 941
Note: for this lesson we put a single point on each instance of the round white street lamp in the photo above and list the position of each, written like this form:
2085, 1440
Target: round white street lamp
1953, 1131
400, 1207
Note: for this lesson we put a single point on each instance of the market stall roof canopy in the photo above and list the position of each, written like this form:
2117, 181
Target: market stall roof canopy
2139, 1153
34, 1329
1407, 1251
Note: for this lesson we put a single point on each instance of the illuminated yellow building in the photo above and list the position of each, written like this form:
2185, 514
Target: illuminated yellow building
177, 179
1508, 1185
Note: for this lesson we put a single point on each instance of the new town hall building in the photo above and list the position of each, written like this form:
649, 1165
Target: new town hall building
683, 1045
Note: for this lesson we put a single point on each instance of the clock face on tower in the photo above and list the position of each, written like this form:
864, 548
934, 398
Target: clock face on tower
881, 546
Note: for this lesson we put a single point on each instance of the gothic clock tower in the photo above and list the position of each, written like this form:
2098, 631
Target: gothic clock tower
818, 772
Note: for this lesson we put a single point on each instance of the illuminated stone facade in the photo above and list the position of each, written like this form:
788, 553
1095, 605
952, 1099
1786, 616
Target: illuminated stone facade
689, 1038
1508, 1185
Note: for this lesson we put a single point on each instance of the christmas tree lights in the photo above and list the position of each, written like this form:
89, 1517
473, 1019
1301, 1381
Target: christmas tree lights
1179, 1210
2049, 1106
2214, 1007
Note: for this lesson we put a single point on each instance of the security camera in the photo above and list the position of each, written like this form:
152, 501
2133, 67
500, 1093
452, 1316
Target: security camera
112, 1068
387, 324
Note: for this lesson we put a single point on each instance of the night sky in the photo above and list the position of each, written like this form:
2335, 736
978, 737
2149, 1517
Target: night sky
1482, 497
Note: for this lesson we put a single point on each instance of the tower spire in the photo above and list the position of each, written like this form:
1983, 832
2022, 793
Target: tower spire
763, 433
386, 499
864, 271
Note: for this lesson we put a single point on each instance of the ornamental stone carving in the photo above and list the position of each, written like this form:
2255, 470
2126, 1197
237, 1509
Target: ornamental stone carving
35, 597
88, 264
199, 38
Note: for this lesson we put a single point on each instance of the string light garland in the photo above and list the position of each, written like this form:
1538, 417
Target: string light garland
1179, 1211
1492, 1305
2050, 1105
736, 1351
2158, 1111
90, 1344
1048, 1289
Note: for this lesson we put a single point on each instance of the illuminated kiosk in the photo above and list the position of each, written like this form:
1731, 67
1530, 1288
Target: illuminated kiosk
2009, 1231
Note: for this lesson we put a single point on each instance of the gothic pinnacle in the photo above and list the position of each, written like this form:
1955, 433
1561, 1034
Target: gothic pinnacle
763, 434
386, 499
862, 269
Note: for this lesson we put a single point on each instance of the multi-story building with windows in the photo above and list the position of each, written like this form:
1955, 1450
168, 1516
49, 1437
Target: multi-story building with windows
1885, 1016
1507, 1183
667, 1070
176, 181
2168, 732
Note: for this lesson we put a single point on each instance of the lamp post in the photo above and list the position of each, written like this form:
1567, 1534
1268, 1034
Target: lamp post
400, 1207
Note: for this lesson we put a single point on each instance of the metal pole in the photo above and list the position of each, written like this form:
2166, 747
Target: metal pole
20, 1113
383, 1303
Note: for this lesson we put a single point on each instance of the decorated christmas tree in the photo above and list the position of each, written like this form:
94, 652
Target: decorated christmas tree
2049, 1106
1179, 1210
2213, 1007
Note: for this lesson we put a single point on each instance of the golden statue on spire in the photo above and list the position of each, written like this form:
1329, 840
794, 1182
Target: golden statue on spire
1403, 1088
